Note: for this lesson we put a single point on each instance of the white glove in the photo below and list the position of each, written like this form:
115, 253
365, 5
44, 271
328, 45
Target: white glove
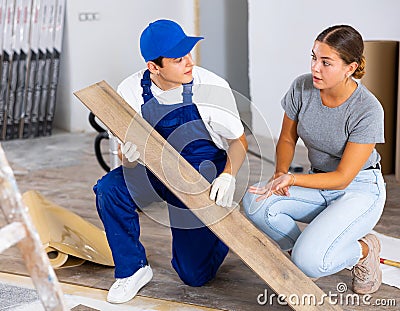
222, 190
129, 150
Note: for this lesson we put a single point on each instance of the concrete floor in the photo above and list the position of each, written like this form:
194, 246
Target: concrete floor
63, 168
60, 151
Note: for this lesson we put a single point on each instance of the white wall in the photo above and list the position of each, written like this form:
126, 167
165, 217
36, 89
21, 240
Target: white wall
281, 35
224, 24
107, 48
213, 28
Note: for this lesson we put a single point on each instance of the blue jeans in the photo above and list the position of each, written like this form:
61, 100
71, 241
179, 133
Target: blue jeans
336, 220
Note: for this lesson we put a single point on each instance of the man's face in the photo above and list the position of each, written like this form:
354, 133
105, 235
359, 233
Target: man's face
175, 71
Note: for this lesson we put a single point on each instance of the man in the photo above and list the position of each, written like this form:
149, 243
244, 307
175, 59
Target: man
204, 128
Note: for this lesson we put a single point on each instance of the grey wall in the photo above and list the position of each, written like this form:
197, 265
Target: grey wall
224, 24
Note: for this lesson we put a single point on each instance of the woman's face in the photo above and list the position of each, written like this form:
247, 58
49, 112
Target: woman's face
327, 68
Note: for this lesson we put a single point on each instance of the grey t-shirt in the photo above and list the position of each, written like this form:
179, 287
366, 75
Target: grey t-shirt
325, 131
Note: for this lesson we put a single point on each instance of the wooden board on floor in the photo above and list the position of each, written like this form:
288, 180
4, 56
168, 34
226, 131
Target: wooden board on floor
236, 231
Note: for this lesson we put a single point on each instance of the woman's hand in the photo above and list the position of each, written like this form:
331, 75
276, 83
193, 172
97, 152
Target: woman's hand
284, 191
278, 186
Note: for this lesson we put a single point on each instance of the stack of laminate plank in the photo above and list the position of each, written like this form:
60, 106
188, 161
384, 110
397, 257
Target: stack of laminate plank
30, 47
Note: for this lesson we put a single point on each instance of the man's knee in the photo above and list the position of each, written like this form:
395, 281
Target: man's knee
111, 192
194, 279
198, 274
109, 183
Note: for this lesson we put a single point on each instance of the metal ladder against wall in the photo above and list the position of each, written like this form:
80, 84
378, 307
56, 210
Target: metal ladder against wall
21, 231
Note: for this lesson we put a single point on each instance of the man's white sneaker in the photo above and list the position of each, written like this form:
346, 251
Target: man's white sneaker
125, 289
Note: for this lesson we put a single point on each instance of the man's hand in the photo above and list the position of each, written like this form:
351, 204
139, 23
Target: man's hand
129, 151
222, 190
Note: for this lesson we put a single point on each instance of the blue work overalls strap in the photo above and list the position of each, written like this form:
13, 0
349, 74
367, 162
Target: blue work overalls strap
181, 125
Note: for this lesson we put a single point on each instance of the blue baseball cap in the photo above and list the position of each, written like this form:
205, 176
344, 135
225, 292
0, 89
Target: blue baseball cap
165, 38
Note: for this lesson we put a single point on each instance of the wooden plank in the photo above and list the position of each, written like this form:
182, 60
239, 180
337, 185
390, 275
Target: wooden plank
36, 260
251, 245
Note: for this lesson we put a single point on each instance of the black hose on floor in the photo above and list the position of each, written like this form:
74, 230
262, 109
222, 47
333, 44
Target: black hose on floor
97, 141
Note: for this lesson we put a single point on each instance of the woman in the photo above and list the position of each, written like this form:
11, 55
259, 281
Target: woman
343, 195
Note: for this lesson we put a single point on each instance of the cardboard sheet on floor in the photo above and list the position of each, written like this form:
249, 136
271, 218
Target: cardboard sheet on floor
68, 239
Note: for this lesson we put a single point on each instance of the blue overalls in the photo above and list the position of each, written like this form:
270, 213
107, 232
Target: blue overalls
196, 252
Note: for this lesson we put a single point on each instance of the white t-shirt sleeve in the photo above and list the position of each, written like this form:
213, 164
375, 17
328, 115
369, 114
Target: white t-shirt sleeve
222, 120
217, 107
130, 90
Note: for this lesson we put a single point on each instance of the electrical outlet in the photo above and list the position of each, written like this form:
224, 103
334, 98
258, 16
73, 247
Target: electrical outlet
88, 17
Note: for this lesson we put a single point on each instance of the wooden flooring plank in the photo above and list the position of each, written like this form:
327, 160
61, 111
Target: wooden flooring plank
242, 237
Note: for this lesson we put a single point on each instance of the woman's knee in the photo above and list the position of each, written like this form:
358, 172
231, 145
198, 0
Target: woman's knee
263, 213
253, 212
248, 203
252, 208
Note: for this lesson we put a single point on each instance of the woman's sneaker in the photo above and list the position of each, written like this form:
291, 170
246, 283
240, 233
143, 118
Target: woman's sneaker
367, 273
125, 289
